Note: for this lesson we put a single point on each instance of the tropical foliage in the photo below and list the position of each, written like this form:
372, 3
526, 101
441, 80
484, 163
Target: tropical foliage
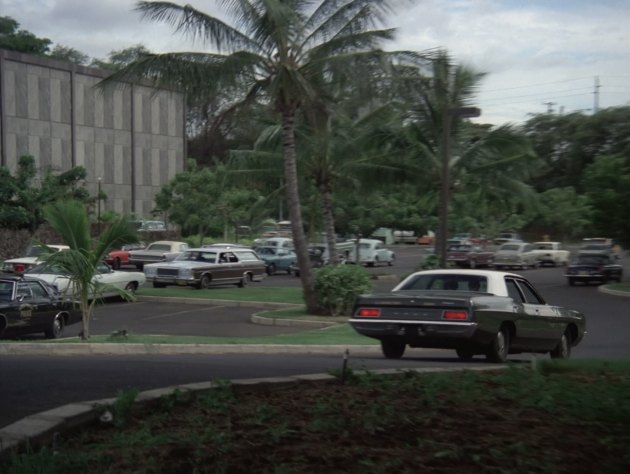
70, 220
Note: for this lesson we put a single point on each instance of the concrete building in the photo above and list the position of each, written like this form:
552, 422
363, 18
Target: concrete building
132, 138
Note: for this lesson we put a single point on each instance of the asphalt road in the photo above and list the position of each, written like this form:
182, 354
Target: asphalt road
29, 384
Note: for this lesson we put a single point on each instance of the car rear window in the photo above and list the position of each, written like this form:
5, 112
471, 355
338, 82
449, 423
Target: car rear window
447, 282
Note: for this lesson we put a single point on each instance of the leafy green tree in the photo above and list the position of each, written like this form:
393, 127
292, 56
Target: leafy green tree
69, 219
22, 200
607, 185
285, 52
568, 144
71, 55
564, 212
11, 37
118, 59
202, 199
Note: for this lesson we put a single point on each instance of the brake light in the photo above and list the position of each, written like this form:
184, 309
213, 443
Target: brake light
451, 315
369, 312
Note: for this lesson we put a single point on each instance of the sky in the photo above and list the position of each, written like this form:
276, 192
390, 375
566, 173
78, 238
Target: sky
538, 56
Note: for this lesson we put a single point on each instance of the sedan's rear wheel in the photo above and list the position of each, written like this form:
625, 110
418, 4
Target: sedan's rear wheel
563, 349
393, 348
271, 269
131, 287
500, 346
55, 329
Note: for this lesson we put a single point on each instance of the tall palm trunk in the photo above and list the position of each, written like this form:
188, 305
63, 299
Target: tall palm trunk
295, 213
329, 222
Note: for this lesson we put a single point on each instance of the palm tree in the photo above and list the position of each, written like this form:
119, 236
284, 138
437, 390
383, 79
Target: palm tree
283, 52
70, 220
492, 162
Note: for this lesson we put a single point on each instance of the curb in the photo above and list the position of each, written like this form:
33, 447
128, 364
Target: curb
609, 291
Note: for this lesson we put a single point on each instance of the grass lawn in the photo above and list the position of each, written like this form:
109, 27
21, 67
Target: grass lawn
558, 417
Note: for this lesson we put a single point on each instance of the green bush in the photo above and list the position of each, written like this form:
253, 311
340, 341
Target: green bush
338, 286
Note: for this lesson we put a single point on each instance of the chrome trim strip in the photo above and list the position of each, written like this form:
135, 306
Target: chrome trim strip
399, 321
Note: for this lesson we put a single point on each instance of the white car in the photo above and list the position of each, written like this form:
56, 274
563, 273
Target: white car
516, 255
32, 258
111, 280
372, 252
159, 251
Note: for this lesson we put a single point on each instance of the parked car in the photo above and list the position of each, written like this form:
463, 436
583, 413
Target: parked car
159, 251
471, 311
208, 266
280, 242
551, 253
277, 259
119, 257
515, 255
504, 237
372, 252
469, 255
600, 245
109, 281
594, 267
29, 305
32, 257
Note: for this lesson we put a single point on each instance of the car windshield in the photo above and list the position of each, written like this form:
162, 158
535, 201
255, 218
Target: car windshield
160, 247
460, 248
447, 282
6, 290
509, 247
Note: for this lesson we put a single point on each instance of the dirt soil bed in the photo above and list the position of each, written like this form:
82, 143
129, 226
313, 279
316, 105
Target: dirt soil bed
514, 421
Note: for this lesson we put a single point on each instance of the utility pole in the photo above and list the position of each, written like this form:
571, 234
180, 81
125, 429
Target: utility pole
596, 95
549, 106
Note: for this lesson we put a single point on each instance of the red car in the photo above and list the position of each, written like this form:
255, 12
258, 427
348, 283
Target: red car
116, 258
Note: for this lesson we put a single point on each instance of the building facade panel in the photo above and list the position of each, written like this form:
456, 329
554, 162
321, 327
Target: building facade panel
131, 137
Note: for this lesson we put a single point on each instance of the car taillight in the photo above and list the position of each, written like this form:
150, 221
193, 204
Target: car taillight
451, 315
369, 312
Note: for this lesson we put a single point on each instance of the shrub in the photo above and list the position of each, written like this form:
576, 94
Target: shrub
338, 286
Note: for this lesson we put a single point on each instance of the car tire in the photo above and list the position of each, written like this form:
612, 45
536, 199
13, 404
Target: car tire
393, 348
571, 282
271, 269
204, 282
116, 264
245, 281
131, 287
464, 355
472, 264
563, 349
499, 347
55, 328
391, 261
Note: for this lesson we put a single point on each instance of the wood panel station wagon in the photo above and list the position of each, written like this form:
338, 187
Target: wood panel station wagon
208, 266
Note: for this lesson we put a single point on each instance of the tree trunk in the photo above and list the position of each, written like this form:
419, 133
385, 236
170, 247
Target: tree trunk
329, 223
295, 212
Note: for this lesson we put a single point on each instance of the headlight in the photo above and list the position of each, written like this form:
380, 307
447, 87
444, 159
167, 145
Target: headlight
185, 272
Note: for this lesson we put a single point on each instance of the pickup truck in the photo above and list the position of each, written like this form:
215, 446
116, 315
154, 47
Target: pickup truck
551, 253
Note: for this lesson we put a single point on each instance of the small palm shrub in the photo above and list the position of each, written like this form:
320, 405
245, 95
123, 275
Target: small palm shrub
337, 287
